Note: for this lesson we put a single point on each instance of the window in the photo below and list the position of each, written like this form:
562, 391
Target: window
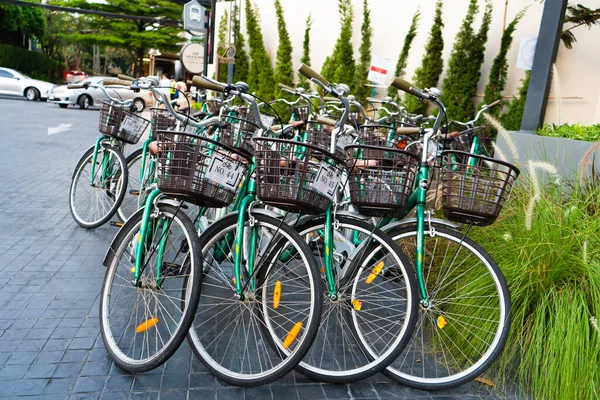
5, 74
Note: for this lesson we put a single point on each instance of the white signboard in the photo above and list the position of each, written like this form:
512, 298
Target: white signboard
326, 181
192, 58
194, 18
526, 52
379, 70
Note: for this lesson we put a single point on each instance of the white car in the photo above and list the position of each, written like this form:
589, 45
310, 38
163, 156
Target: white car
84, 98
15, 83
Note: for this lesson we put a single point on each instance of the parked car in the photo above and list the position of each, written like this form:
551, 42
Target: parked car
75, 76
18, 84
84, 98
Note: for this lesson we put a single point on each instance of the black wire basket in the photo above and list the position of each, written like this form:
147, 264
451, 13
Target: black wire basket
381, 179
374, 135
300, 113
294, 176
319, 135
198, 169
213, 106
121, 124
161, 120
474, 188
237, 133
464, 141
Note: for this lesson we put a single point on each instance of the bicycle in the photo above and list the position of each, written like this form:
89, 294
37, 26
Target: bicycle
100, 175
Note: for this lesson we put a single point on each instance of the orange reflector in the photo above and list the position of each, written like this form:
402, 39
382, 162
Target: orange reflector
357, 304
441, 322
375, 272
276, 294
144, 326
292, 335
402, 144
322, 269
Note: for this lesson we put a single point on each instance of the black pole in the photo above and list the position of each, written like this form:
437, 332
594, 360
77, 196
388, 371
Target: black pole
541, 71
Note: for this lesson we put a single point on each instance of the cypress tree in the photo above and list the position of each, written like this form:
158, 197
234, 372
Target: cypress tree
432, 64
221, 47
364, 62
457, 81
240, 72
499, 71
339, 66
284, 71
514, 115
403, 57
302, 80
260, 75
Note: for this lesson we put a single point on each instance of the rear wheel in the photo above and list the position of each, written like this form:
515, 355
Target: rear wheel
464, 328
94, 201
84, 102
32, 94
142, 326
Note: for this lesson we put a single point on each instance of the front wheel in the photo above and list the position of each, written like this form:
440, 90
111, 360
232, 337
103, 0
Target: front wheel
257, 338
463, 329
32, 94
93, 201
143, 323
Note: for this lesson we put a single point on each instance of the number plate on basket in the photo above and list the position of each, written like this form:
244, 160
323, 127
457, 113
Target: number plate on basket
326, 181
133, 125
224, 171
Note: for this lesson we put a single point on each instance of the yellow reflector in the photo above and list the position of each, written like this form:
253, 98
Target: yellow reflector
357, 304
441, 322
276, 294
375, 272
132, 270
292, 335
144, 326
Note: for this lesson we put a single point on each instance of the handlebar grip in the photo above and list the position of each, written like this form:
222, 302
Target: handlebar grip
326, 121
75, 86
494, 103
408, 130
202, 82
286, 87
312, 74
126, 78
115, 81
407, 87
327, 98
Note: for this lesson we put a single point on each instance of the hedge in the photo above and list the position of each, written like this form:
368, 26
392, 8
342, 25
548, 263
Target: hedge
37, 65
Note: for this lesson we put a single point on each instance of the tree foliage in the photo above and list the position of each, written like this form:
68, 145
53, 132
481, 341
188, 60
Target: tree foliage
364, 62
339, 66
578, 15
242, 63
403, 57
499, 71
464, 67
222, 46
302, 80
284, 70
514, 114
138, 36
260, 74
30, 21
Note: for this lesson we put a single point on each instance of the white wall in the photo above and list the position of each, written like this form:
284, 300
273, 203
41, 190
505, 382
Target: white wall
579, 69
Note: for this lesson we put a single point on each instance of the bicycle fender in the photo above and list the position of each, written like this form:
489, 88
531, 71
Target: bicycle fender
411, 221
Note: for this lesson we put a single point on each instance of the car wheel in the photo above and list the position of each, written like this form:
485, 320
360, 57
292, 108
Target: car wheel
32, 94
63, 105
85, 102
139, 104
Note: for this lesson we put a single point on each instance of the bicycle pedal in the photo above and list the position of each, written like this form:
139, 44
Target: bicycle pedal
116, 223
134, 192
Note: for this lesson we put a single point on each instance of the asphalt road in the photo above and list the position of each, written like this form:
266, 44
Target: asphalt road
52, 275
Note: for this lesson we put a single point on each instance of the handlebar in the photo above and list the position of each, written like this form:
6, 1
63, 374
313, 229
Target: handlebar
407, 87
76, 86
408, 130
312, 74
116, 81
205, 83
126, 78
286, 87
326, 121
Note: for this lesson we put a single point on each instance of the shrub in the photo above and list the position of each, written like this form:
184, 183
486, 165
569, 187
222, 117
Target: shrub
37, 65
305, 59
339, 66
221, 48
362, 68
403, 57
260, 75
589, 133
514, 115
240, 72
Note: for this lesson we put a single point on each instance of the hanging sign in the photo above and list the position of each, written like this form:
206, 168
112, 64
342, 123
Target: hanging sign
378, 70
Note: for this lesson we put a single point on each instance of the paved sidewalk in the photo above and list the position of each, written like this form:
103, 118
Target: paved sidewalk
50, 346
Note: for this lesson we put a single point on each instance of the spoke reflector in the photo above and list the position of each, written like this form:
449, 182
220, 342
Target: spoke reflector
144, 326
441, 322
132, 270
292, 335
357, 304
376, 270
276, 294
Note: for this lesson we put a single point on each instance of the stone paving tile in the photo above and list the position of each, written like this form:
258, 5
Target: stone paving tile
50, 346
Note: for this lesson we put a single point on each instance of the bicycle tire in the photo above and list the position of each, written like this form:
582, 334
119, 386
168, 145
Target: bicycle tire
103, 213
343, 316
182, 266
434, 375
214, 321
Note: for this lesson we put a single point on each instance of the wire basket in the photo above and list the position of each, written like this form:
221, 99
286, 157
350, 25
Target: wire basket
213, 106
300, 113
474, 188
464, 141
161, 120
381, 179
373, 135
238, 133
198, 169
319, 135
296, 177
123, 125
